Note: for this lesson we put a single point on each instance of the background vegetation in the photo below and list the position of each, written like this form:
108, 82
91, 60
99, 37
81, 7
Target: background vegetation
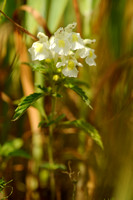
104, 174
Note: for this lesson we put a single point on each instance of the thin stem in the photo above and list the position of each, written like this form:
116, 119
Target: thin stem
18, 27
74, 191
50, 151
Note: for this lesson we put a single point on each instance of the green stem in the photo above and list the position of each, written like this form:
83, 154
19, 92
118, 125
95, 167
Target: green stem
74, 191
50, 151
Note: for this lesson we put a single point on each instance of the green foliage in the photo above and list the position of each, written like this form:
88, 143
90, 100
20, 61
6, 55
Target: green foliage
73, 86
38, 67
75, 81
12, 149
45, 123
19, 153
53, 166
50, 121
49, 91
87, 127
26, 103
30, 23
116, 25
55, 13
68, 18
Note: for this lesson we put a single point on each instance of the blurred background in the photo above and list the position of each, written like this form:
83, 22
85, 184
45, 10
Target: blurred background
104, 174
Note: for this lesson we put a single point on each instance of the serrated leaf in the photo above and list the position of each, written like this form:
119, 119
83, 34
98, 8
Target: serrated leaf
79, 91
87, 127
75, 81
53, 166
26, 103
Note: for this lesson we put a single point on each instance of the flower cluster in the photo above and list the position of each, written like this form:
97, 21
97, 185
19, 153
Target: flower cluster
64, 48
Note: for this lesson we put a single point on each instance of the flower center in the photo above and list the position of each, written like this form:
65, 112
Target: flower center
71, 64
74, 38
39, 47
48, 60
91, 54
61, 43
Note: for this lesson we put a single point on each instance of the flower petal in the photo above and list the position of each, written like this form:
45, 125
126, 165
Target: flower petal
70, 73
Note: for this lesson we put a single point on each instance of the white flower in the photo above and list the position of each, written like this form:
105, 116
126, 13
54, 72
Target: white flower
83, 53
74, 38
61, 46
60, 43
64, 48
70, 71
40, 49
89, 41
87, 53
42, 37
66, 40
70, 27
90, 58
76, 41
69, 67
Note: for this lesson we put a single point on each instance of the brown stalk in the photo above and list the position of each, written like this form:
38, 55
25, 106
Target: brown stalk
6, 98
78, 18
26, 78
40, 20
18, 27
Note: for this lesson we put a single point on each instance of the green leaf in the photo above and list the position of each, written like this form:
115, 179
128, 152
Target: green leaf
59, 118
53, 166
44, 123
25, 103
56, 11
79, 91
44, 89
38, 67
87, 127
10, 147
20, 153
49, 91
74, 81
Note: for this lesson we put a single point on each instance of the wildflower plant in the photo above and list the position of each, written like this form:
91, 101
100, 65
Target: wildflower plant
63, 50
58, 59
